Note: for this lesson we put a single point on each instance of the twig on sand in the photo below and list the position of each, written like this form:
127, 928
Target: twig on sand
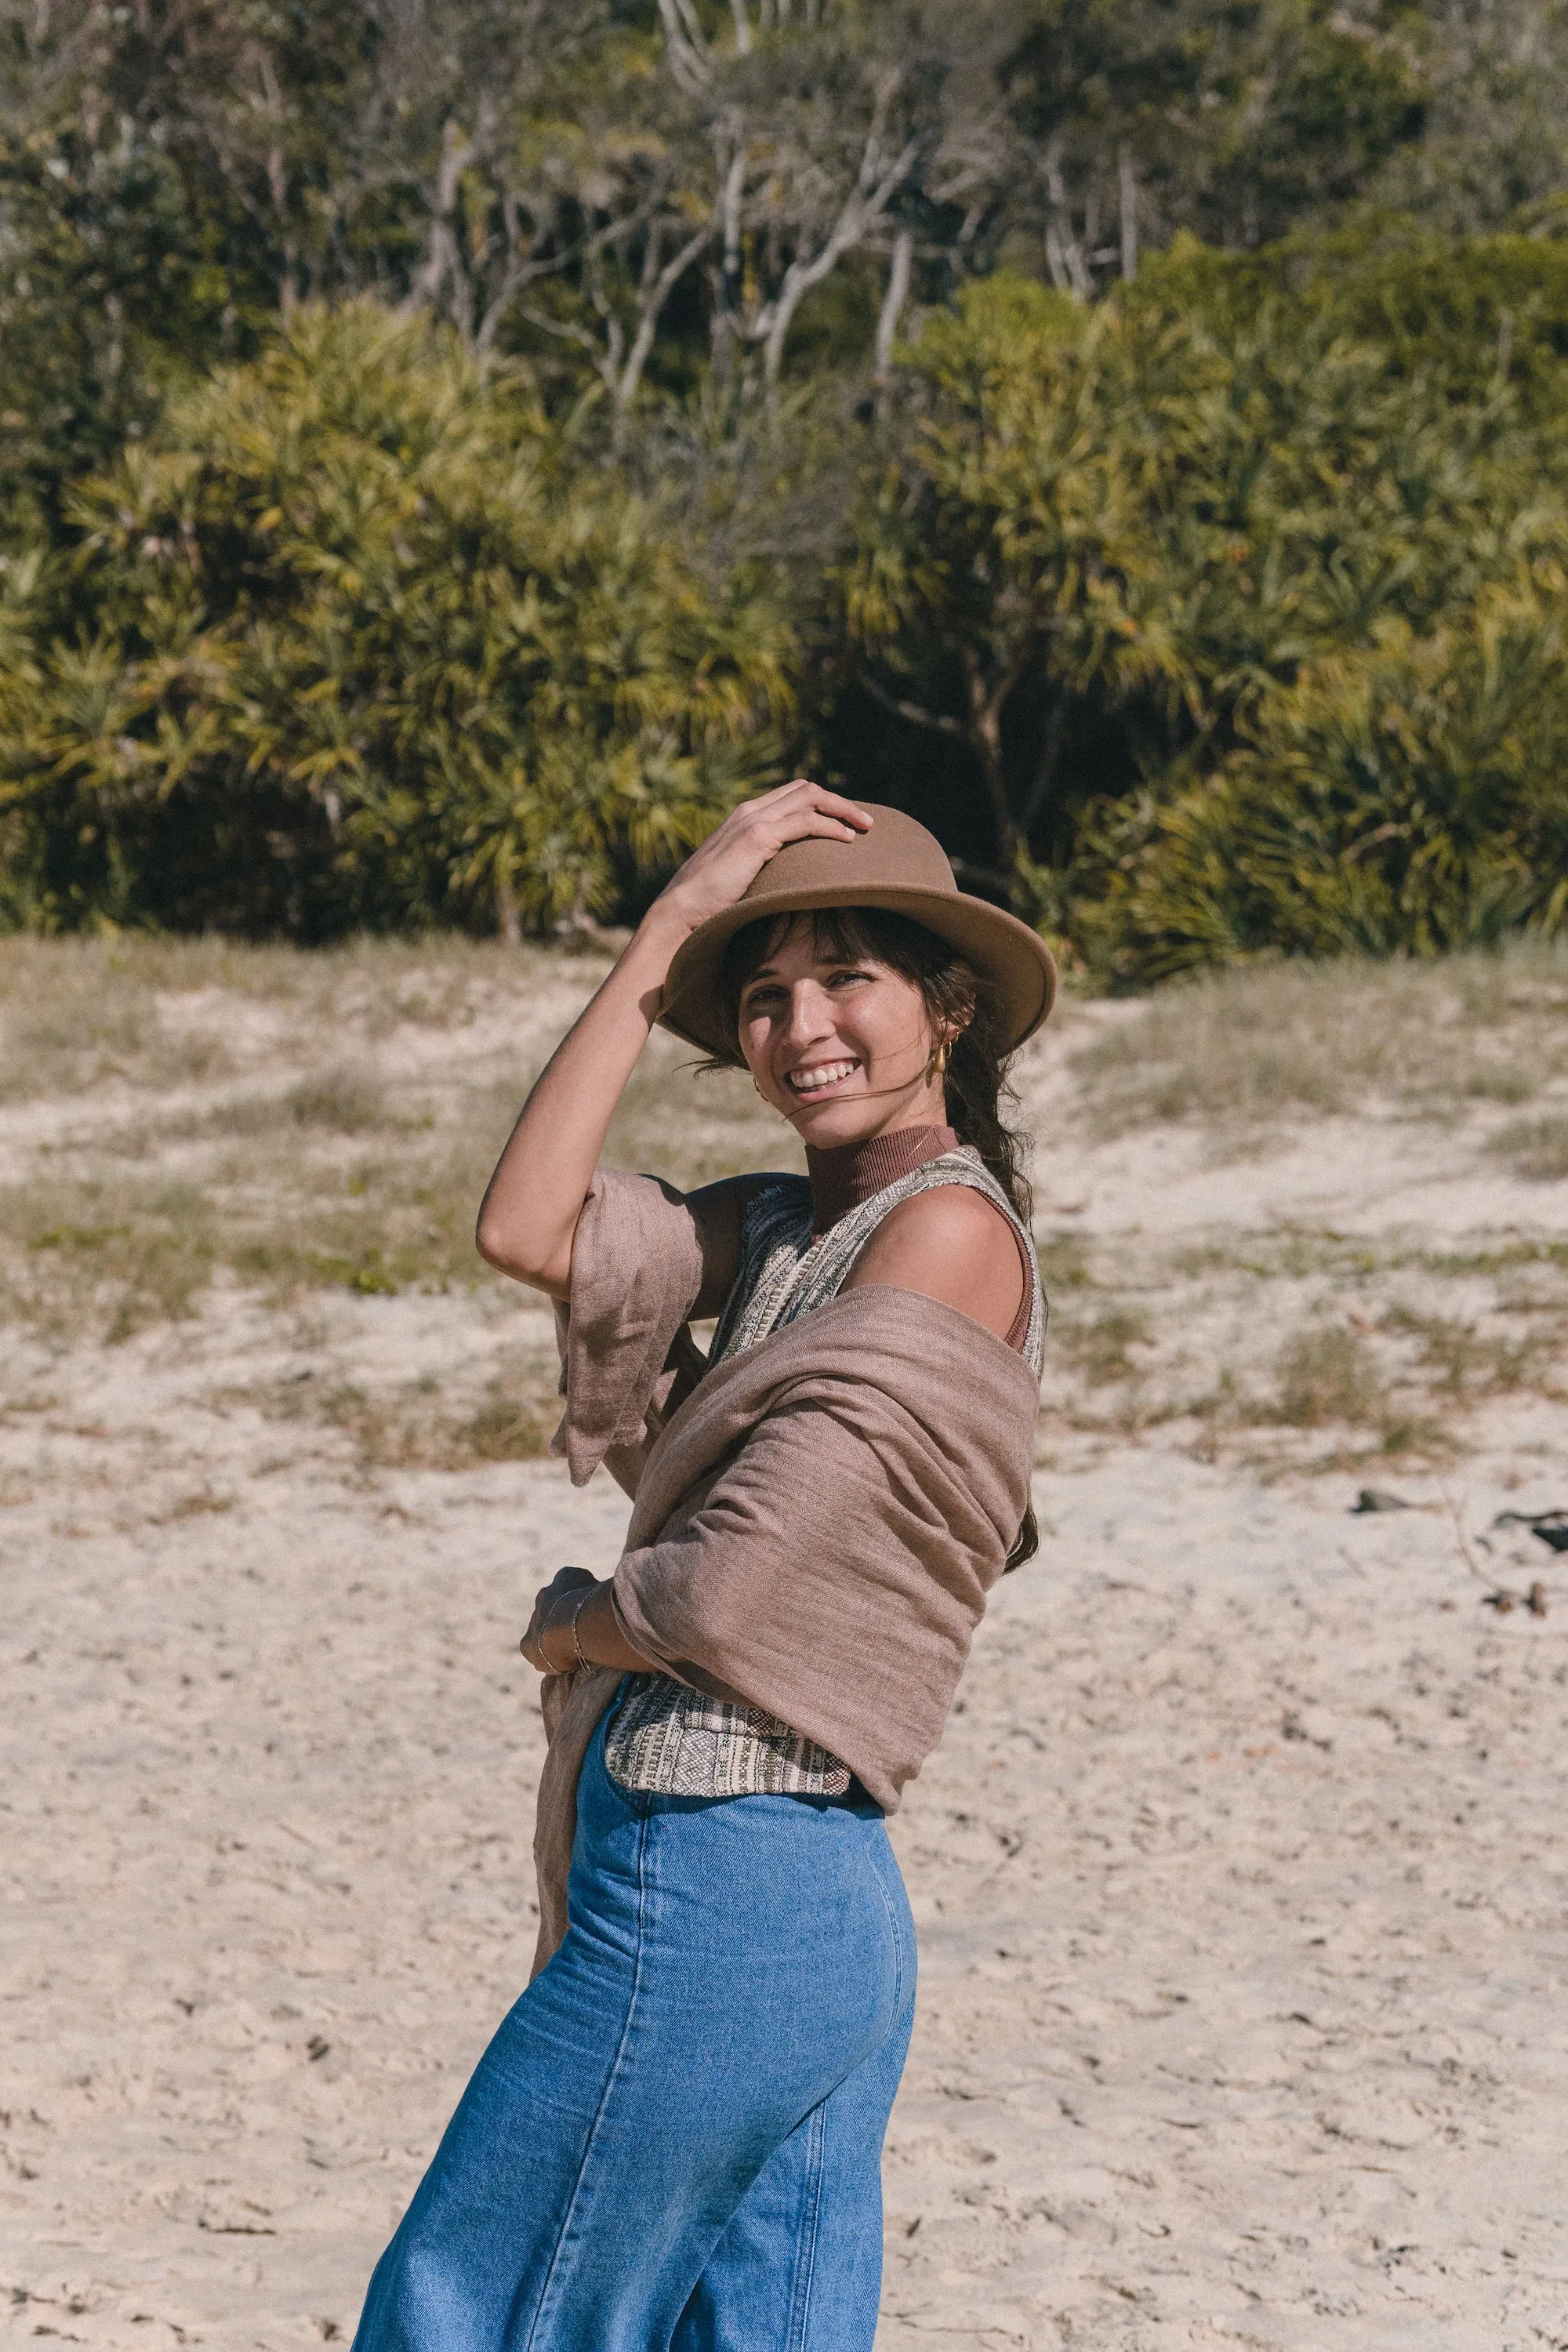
1497, 1596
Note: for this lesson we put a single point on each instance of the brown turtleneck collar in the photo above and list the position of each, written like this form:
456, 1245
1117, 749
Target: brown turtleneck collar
852, 1173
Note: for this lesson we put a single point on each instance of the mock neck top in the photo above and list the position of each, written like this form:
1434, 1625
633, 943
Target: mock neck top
852, 1173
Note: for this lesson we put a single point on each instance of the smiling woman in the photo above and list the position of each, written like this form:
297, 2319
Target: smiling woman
821, 1506
859, 1025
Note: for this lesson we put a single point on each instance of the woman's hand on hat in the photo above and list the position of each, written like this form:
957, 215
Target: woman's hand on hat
734, 854
528, 1220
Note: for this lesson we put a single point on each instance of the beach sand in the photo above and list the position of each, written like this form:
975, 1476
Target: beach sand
1239, 1873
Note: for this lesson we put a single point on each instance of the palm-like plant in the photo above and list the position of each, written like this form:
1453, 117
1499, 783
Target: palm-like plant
364, 640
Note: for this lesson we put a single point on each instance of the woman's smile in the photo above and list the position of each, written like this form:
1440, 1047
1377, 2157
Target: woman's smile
819, 1078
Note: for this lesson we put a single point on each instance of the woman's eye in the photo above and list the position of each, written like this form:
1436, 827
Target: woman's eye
847, 979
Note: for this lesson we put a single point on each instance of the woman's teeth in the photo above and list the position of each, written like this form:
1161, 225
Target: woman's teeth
822, 1076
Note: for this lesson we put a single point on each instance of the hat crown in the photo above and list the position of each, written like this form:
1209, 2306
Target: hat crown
897, 854
897, 866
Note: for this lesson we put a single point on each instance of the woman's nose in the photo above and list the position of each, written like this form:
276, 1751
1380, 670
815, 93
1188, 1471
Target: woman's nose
810, 1013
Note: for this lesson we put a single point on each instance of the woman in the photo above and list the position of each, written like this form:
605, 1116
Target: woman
675, 2139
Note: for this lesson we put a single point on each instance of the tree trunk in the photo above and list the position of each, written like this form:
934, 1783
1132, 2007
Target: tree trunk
1127, 178
893, 301
985, 738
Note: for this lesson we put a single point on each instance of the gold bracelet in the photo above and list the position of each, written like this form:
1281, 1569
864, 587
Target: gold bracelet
576, 1637
578, 1659
545, 1654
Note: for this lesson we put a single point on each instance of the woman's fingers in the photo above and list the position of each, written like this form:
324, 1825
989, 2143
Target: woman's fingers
545, 1600
801, 807
734, 854
567, 1580
789, 810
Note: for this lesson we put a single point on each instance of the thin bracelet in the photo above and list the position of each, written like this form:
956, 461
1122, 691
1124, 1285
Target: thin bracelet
576, 1637
579, 1660
545, 1655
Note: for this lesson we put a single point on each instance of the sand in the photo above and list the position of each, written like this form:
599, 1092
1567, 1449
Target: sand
1240, 1874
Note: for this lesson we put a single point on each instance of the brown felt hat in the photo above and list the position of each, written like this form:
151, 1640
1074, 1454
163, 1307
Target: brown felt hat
899, 865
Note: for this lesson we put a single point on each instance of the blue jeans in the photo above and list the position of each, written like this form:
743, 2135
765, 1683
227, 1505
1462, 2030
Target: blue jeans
674, 2142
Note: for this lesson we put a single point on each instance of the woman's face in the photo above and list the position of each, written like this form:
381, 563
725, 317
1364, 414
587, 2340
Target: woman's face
842, 1047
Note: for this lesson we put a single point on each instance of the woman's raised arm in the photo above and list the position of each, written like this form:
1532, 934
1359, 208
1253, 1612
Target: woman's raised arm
529, 1216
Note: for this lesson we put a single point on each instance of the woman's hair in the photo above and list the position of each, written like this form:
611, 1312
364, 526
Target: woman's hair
957, 1002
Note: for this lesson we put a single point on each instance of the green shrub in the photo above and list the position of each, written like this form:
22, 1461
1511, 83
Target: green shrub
1406, 796
363, 641
1241, 598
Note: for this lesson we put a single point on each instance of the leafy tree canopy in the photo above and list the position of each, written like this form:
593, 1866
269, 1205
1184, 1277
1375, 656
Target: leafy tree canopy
447, 452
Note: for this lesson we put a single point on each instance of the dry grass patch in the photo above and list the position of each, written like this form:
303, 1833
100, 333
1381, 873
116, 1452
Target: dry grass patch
1467, 1360
1328, 1374
339, 1100
1535, 1148
1295, 1338
1098, 1347
113, 1258
420, 1424
1253, 1047
74, 1019
693, 1126
157, 1013
1064, 1263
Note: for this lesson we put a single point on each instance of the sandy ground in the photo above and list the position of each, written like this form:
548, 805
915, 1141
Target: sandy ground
1239, 1873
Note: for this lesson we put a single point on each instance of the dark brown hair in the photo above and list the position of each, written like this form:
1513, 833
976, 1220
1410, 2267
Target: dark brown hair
957, 1001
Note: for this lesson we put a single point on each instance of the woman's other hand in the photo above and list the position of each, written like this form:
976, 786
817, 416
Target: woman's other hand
574, 1613
732, 857
554, 1604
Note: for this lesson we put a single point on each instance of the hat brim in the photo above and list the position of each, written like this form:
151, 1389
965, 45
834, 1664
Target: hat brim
1011, 959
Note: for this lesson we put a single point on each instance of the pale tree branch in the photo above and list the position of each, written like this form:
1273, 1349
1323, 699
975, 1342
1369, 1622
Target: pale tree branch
687, 46
650, 305
727, 208
567, 330
1127, 182
1064, 255
523, 273
876, 185
895, 296
938, 721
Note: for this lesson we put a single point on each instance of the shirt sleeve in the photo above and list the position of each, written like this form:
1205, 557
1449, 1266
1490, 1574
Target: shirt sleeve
636, 1273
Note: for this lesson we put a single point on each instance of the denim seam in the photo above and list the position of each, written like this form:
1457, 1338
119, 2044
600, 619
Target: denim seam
896, 1934
611, 2078
806, 2252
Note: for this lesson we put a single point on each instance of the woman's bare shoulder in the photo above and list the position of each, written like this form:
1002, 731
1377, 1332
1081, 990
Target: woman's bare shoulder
951, 1244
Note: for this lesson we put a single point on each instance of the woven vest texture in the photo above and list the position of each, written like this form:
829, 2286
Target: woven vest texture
680, 1742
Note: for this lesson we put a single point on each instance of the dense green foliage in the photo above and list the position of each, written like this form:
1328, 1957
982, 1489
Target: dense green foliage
1251, 620
447, 454
348, 648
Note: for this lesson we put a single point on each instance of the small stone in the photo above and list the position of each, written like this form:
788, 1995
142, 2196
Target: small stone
1378, 1498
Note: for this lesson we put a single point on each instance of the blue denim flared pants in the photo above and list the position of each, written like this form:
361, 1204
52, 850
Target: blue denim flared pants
674, 2142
